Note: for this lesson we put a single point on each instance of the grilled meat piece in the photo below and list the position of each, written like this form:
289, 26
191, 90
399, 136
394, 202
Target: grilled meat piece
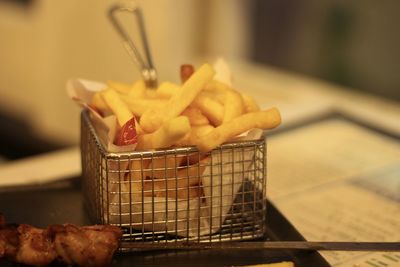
35, 246
9, 241
85, 246
88, 246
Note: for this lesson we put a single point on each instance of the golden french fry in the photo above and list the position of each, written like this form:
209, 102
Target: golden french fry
202, 130
196, 157
121, 88
250, 103
143, 171
216, 96
194, 191
164, 167
167, 135
184, 141
217, 87
118, 107
137, 90
185, 184
261, 119
98, 103
234, 105
137, 167
195, 116
152, 119
139, 130
194, 135
151, 94
229, 97
167, 89
138, 106
210, 107
198, 132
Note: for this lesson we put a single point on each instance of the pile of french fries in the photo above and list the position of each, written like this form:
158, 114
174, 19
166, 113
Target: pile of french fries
201, 112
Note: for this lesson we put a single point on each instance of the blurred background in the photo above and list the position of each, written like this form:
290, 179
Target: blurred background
43, 43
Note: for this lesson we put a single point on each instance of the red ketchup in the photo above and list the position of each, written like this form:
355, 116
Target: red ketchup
127, 134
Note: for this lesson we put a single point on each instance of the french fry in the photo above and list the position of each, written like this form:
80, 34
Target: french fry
121, 88
152, 119
250, 103
261, 119
216, 87
99, 105
198, 132
194, 135
136, 169
231, 99
202, 130
167, 89
150, 94
164, 167
137, 90
220, 97
210, 107
186, 182
138, 106
194, 191
194, 158
137, 179
195, 116
119, 108
184, 141
234, 105
168, 134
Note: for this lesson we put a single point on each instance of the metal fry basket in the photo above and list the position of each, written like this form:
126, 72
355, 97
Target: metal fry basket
176, 194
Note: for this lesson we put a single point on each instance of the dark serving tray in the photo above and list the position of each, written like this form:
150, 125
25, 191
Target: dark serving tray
63, 203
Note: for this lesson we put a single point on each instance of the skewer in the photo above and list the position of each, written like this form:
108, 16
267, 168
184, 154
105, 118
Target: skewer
289, 245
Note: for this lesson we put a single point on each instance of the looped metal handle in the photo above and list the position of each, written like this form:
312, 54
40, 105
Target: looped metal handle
148, 70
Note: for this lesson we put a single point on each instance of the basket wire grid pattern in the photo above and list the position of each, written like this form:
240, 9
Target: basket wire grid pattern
160, 196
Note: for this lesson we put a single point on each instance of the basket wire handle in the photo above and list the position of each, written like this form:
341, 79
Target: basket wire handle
148, 70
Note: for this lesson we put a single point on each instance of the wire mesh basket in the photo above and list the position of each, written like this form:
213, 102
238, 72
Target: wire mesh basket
177, 194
